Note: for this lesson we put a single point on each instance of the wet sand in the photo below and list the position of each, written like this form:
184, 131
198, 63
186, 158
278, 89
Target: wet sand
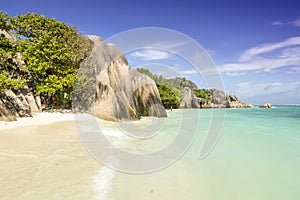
42, 158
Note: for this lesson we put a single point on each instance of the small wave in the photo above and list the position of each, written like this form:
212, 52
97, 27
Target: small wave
102, 182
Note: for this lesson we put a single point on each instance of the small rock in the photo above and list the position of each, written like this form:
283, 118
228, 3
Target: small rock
266, 105
251, 105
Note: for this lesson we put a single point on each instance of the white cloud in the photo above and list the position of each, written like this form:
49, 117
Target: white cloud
269, 92
203, 72
281, 23
277, 23
271, 86
267, 57
158, 51
166, 45
293, 70
244, 84
189, 72
233, 74
151, 54
265, 48
296, 23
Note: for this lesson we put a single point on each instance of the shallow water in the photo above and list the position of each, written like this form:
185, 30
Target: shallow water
256, 157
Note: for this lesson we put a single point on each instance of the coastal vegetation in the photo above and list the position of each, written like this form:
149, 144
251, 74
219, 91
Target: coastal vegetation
44, 55
41, 53
40, 59
11, 76
204, 93
169, 94
170, 89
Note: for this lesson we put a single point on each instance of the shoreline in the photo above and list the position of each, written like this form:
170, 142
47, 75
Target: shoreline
37, 119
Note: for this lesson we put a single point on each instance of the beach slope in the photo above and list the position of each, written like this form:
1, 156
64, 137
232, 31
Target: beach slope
42, 158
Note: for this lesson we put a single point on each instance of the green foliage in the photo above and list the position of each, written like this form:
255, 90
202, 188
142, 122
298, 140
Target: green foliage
204, 93
10, 83
169, 94
11, 72
170, 89
52, 52
181, 82
157, 78
4, 21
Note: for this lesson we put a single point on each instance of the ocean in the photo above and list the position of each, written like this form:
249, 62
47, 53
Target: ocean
257, 156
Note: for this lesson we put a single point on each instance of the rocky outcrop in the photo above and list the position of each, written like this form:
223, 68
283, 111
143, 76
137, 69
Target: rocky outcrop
221, 100
235, 104
218, 98
182, 82
12, 106
232, 98
190, 100
251, 105
187, 98
200, 103
32, 103
17, 103
266, 105
94, 40
6, 114
116, 91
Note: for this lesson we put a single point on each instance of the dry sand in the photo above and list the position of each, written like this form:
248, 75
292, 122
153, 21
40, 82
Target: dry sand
42, 158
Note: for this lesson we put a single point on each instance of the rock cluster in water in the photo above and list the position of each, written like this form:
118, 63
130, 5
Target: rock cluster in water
266, 105
218, 100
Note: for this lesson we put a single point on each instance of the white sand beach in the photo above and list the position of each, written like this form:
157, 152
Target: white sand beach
42, 158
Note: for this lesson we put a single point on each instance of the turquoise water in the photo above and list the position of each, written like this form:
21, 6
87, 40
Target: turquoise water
256, 157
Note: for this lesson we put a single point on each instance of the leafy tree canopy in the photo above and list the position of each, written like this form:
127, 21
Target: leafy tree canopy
169, 94
51, 52
181, 82
204, 93
170, 89
157, 78
11, 72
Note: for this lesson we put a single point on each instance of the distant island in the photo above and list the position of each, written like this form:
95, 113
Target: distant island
46, 64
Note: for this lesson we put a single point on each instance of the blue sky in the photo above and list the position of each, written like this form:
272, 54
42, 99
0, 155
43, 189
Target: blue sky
254, 44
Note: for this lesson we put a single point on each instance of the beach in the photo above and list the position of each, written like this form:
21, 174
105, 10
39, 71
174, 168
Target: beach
42, 158
257, 157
